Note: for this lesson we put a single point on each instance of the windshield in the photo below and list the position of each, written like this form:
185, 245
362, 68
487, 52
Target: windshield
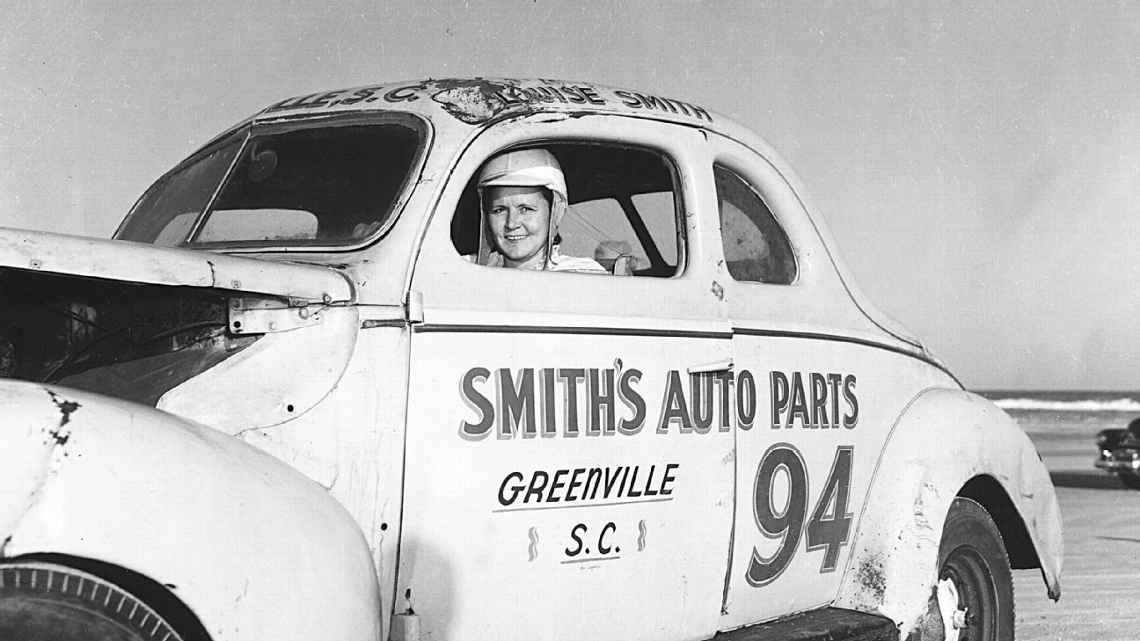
297, 185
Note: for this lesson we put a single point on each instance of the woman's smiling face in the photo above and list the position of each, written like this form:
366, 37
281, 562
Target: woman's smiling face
519, 221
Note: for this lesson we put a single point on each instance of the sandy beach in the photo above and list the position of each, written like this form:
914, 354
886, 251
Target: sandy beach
1102, 552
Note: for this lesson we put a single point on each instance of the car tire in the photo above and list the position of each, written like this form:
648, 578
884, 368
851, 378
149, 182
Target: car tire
1130, 481
972, 556
48, 602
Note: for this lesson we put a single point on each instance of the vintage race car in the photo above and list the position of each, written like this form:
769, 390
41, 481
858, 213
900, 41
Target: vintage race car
301, 396
1119, 453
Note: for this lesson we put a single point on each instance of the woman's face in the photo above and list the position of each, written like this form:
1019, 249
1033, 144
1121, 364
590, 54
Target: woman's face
519, 222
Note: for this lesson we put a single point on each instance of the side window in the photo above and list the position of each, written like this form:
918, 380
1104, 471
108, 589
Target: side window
756, 248
620, 216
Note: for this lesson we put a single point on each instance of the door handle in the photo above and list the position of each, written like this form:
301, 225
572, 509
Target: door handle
722, 365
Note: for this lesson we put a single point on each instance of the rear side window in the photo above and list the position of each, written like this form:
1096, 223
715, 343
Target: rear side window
756, 249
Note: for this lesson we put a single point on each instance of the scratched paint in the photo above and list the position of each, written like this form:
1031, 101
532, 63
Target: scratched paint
60, 434
132, 462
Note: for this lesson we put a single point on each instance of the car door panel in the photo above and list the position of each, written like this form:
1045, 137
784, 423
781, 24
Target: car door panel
588, 475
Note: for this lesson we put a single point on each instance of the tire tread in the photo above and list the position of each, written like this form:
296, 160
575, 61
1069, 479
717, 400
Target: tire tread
27, 587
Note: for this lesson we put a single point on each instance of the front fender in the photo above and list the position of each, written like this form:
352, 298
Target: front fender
942, 440
253, 548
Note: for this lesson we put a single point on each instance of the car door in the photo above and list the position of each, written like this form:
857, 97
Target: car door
821, 386
568, 465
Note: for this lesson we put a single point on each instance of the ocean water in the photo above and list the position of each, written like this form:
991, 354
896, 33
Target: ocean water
1049, 415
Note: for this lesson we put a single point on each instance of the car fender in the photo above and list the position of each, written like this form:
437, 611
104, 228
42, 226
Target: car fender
253, 548
944, 441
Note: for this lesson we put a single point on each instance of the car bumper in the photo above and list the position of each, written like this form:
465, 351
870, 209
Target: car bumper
1116, 466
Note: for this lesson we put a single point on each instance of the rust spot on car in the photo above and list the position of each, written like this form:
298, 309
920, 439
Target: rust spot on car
717, 290
872, 578
66, 408
474, 101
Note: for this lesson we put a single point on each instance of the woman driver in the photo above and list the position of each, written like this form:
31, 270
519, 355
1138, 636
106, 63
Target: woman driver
522, 195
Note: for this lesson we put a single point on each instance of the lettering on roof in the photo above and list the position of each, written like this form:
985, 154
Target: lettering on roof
475, 101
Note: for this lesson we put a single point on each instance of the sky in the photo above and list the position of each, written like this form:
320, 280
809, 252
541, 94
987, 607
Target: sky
978, 164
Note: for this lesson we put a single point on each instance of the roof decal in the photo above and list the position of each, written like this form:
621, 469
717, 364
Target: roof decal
477, 100
474, 101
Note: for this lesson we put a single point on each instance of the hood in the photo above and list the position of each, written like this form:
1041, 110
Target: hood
141, 263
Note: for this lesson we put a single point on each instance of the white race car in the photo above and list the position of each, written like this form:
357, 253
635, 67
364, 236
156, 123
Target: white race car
302, 395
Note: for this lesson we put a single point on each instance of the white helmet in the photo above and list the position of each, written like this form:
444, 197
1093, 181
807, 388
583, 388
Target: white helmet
523, 168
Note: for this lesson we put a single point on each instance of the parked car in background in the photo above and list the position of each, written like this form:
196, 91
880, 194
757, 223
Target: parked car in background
287, 403
1119, 453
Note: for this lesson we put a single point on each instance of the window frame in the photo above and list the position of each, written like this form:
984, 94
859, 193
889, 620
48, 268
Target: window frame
247, 130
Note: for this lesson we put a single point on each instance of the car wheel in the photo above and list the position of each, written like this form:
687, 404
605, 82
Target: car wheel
47, 602
973, 567
1130, 481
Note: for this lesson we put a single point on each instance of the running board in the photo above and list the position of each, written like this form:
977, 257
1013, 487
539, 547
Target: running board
825, 624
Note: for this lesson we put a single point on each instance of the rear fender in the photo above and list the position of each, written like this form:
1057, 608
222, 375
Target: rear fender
947, 443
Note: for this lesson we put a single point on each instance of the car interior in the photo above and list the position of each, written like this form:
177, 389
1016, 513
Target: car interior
622, 210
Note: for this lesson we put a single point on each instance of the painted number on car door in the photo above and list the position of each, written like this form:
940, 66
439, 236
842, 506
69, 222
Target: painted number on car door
829, 526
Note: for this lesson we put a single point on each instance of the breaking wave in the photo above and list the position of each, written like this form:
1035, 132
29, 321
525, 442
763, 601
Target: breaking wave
1125, 404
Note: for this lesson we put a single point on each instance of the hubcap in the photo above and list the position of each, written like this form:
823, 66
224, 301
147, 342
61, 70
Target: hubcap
953, 617
967, 597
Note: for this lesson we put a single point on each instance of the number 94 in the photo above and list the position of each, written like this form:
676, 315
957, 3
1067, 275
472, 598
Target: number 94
829, 527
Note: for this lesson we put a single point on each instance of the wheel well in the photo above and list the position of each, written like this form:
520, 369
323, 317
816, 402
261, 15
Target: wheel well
159, 597
986, 491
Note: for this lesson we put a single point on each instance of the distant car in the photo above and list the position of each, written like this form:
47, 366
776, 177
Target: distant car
290, 401
1119, 453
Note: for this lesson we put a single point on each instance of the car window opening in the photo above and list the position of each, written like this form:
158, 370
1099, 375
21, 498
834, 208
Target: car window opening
621, 213
295, 186
756, 248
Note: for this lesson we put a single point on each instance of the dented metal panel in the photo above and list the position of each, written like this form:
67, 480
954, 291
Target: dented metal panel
214, 519
828, 408
893, 565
